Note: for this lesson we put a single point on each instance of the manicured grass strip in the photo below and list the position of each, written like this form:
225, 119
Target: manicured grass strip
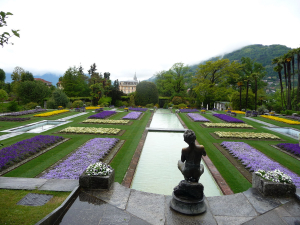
236, 181
11, 213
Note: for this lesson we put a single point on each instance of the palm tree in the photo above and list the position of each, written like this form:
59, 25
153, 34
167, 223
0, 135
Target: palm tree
278, 68
287, 59
247, 79
297, 51
240, 84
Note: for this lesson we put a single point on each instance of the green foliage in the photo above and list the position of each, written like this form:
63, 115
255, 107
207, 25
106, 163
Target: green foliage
236, 100
146, 93
2, 75
77, 104
13, 106
31, 105
118, 103
33, 91
27, 76
16, 74
3, 97
60, 98
106, 100
150, 105
177, 100
125, 103
175, 107
5, 36
72, 99
182, 106
131, 101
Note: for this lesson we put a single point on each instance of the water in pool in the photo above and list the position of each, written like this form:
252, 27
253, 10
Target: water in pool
157, 170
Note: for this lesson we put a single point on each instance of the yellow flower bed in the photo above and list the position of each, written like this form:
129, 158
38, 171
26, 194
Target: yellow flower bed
51, 113
292, 122
203, 110
92, 107
237, 111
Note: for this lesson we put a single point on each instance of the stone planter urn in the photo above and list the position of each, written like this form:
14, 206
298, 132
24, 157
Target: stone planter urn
96, 182
269, 188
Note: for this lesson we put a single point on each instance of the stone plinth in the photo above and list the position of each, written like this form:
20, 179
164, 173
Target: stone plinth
268, 188
96, 182
188, 198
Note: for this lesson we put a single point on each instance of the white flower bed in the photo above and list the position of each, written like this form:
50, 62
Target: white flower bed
275, 176
90, 130
106, 121
228, 125
246, 135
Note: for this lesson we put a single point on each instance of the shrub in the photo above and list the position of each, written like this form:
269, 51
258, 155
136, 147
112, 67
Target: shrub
150, 105
106, 100
88, 103
77, 104
13, 106
125, 103
177, 100
60, 98
146, 93
50, 104
157, 105
182, 106
170, 104
69, 105
31, 105
118, 103
175, 107
165, 106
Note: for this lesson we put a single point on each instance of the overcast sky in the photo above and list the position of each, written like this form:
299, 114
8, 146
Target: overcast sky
124, 37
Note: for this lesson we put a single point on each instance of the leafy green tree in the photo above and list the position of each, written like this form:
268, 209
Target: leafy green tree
2, 75
16, 74
33, 91
146, 93
27, 76
3, 97
59, 98
173, 81
6, 35
97, 91
115, 93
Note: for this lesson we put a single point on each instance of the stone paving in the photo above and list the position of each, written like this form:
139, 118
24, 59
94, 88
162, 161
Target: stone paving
261, 122
121, 205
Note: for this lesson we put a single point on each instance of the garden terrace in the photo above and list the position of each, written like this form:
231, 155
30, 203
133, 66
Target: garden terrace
228, 119
102, 115
246, 135
14, 118
197, 117
132, 115
91, 130
21, 113
138, 109
254, 160
100, 121
51, 113
91, 152
227, 125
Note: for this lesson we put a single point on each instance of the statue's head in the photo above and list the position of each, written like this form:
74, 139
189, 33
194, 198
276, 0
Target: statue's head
189, 136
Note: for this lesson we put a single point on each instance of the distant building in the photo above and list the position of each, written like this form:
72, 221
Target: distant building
59, 85
49, 84
128, 86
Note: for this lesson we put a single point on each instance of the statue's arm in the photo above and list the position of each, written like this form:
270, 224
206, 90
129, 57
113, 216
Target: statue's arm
182, 156
204, 152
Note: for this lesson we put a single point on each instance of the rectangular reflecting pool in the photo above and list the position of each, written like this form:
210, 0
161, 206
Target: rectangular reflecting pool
157, 170
38, 127
163, 118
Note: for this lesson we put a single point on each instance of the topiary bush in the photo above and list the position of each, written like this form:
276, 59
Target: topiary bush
13, 106
177, 100
31, 105
77, 104
182, 106
146, 93
150, 105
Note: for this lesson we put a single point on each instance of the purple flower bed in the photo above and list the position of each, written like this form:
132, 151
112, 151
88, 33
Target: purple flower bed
132, 115
228, 119
91, 152
102, 115
293, 148
254, 160
25, 148
138, 109
13, 118
197, 117
188, 110
293, 117
21, 113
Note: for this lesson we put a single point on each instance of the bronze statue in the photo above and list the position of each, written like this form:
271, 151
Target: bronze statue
189, 165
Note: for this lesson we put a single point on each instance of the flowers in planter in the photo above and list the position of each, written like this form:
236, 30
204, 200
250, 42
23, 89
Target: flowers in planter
23, 149
132, 115
51, 113
254, 160
228, 119
293, 148
13, 118
102, 115
188, 110
90, 130
275, 176
246, 135
100, 121
91, 152
60, 107
281, 120
98, 169
228, 125
197, 117
138, 109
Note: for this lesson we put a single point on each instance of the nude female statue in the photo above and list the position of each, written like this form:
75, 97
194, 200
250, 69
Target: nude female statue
189, 165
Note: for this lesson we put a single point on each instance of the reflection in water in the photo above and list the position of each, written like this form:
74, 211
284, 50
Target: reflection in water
164, 119
157, 170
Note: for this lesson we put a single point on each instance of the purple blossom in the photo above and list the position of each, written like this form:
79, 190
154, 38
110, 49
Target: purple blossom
27, 112
293, 117
102, 115
132, 115
188, 110
228, 119
91, 152
254, 160
293, 148
138, 109
25, 148
13, 118
197, 117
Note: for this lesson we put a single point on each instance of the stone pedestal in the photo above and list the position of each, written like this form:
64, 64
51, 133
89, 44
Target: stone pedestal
96, 182
188, 198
